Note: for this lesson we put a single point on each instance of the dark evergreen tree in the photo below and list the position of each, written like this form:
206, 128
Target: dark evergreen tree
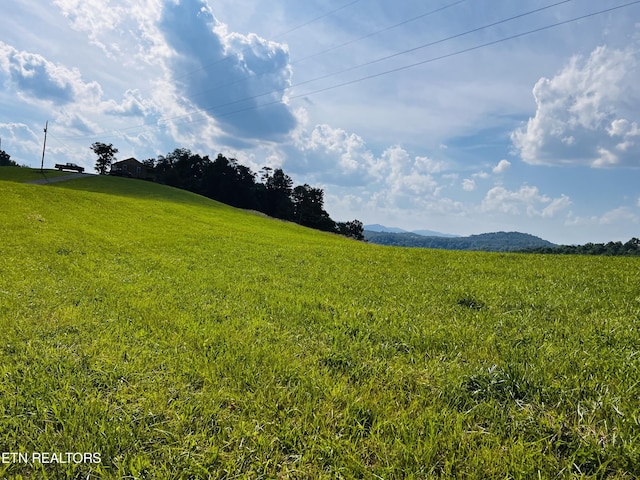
165, 171
279, 188
246, 188
219, 178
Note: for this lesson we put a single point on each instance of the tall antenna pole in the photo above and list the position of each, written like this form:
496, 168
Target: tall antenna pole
44, 145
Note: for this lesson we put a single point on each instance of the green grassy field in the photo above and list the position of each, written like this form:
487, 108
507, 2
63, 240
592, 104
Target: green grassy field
180, 338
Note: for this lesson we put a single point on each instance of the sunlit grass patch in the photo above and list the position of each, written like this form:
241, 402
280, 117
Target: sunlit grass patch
182, 338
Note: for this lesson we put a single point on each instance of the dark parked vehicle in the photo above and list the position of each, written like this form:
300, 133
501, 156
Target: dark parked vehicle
70, 166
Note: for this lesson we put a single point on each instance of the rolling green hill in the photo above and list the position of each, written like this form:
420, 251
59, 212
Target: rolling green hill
177, 337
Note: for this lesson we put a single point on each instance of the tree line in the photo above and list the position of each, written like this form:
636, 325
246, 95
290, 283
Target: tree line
227, 181
628, 249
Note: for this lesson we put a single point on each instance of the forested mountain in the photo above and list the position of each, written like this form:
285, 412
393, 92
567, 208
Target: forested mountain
490, 242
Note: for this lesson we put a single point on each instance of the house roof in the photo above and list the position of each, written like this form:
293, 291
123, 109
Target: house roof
127, 160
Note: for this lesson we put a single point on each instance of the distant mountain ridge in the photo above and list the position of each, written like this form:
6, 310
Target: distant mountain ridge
489, 242
376, 227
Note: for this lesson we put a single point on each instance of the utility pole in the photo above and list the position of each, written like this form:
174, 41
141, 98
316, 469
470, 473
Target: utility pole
44, 145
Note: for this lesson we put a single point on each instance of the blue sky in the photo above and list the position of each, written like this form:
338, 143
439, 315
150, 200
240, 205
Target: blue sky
443, 115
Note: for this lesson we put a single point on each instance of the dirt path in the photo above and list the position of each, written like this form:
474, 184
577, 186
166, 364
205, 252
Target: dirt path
46, 180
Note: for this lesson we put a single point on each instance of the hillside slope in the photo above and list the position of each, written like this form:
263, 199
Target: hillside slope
180, 338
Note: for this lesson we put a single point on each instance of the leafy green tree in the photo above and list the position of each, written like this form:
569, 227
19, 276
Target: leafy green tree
308, 205
632, 247
5, 160
353, 229
183, 169
149, 163
106, 155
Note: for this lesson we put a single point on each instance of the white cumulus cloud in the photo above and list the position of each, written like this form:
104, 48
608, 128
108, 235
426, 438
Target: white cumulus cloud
240, 80
468, 184
405, 175
615, 217
587, 114
502, 166
122, 30
527, 199
21, 137
37, 79
332, 155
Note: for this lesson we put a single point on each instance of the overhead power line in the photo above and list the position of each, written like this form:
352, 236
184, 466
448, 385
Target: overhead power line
466, 50
377, 32
379, 74
330, 49
436, 42
320, 17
